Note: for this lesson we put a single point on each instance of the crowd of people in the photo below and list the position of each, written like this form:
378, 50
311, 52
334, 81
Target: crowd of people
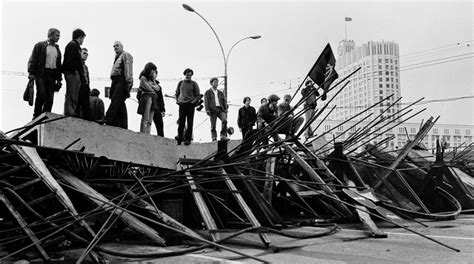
45, 67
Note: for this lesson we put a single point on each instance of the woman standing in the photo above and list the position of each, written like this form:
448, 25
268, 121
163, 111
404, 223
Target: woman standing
159, 110
147, 96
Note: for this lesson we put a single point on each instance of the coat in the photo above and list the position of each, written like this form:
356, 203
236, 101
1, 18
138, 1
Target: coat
210, 101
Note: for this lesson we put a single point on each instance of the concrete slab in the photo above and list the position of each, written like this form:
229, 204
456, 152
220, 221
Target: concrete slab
117, 143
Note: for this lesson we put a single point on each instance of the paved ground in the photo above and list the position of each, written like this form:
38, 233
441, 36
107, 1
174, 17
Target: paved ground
350, 245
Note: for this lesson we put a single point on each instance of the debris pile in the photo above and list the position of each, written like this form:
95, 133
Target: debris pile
55, 199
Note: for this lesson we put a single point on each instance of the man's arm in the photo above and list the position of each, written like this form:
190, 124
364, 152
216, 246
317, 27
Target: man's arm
128, 68
178, 91
33, 62
100, 107
253, 118
207, 102
239, 119
262, 114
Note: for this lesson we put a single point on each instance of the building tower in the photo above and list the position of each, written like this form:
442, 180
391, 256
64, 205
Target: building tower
378, 78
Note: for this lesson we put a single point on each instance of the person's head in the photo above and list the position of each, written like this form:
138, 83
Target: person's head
214, 82
53, 35
84, 54
95, 92
309, 83
287, 98
247, 100
118, 47
78, 35
263, 101
188, 73
273, 99
150, 71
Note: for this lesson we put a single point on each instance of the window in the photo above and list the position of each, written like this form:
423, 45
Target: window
386, 60
435, 131
468, 132
380, 60
412, 130
380, 67
381, 92
387, 79
340, 128
386, 67
327, 127
380, 73
380, 79
387, 73
387, 85
457, 131
380, 85
401, 130
446, 131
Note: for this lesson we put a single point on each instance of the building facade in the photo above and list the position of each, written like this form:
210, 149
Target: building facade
378, 78
453, 135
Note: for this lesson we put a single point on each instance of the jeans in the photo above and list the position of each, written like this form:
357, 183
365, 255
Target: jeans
147, 117
219, 113
117, 113
44, 92
73, 85
186, 112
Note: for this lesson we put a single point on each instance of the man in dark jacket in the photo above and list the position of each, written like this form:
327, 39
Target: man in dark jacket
44, 66
247, 117
96, 106
73, 71
187, 96
216, 107
83, 107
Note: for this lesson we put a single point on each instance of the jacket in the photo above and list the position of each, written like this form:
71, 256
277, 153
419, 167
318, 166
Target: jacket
96, 108
37, 60
123, 68
72, 58
247, 117
210, 101
266, 115
311, 99
187, 92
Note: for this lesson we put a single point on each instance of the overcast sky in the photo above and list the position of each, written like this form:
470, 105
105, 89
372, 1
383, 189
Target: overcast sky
293, 34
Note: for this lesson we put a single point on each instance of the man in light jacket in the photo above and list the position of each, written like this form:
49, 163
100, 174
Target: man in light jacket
216, 107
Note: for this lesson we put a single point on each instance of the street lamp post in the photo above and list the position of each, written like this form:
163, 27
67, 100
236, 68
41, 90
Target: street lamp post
226, 58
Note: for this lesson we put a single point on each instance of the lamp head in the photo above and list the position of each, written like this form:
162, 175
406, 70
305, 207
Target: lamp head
187, 7
255, 37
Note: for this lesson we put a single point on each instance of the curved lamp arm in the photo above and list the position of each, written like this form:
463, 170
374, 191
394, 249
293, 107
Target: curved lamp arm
228, 54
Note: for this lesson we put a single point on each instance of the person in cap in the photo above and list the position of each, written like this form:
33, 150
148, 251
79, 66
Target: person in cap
284, 108
267, 113
44, 66
83, 107
96, 106
215, 104
187, 96
247, 117
311, 94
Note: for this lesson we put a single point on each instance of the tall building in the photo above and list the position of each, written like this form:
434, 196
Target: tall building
378, 78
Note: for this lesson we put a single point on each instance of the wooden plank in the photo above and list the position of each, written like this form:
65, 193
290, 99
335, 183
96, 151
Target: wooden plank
368, 223
243, 205
101, 201
25, 227
202, 207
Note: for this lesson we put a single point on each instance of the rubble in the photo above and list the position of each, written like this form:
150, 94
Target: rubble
70, 184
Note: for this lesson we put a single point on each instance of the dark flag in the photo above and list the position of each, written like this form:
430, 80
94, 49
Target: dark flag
323, 72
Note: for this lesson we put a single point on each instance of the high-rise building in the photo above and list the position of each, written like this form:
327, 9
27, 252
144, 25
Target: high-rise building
378, 78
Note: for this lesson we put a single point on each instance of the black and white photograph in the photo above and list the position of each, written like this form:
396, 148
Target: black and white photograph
205, 131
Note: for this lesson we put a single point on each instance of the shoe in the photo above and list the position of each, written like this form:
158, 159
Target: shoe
101, 121
187, 142
214, 139
178, 143
223, 138
324, 97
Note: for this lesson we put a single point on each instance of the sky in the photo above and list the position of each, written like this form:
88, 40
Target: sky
293, 35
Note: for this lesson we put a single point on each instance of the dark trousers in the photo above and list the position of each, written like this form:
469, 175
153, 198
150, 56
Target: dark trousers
245, 130
83, 108
218, 113
73, 85
44, 92
158, 120
186, 112
117, 113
